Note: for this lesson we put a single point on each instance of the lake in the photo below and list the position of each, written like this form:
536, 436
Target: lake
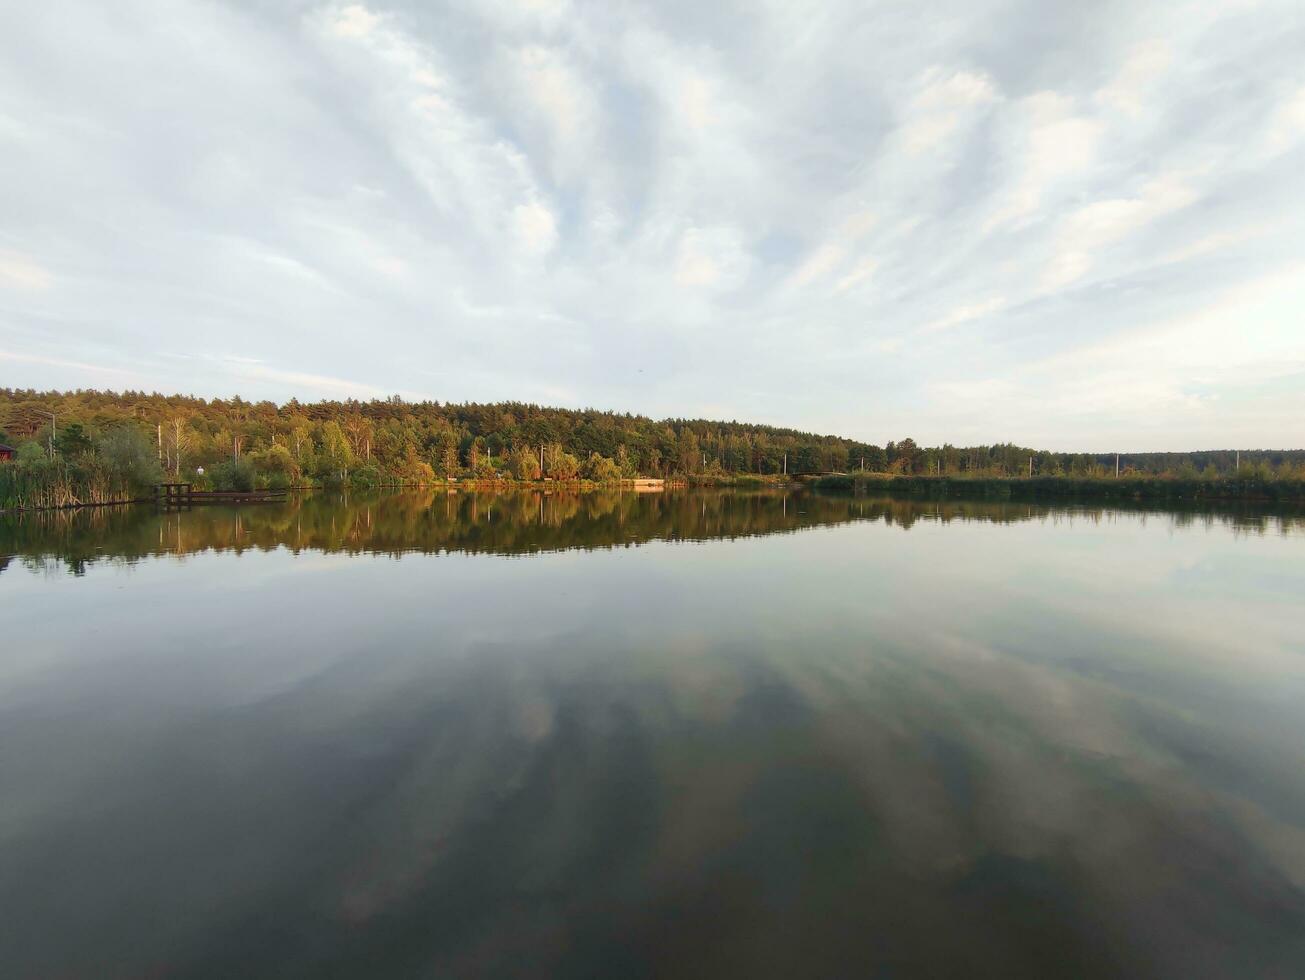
692, 734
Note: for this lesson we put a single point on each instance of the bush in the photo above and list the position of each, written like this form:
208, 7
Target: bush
602, 469
131, 457
366, 477
123, 467
275, 467
233, 475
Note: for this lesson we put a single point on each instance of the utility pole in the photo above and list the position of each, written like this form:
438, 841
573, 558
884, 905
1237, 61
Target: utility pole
1030, 466
1116, 466
1238, 464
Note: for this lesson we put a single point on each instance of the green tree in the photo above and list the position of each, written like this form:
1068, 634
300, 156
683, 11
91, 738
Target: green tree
277, 466
449, 466
625, 463
689, 451
73, 441
602, 469
559, 464
30, 452
131, 457
524, 463
337, 453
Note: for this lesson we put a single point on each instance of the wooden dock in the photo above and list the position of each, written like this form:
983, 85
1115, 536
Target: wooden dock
173, 496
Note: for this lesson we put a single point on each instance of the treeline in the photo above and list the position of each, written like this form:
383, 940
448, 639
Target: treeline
1255, 482
393, 440
100, 442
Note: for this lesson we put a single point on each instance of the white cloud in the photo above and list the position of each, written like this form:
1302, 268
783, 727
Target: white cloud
521, 16
1287, 123
559, 106
819, 264
1130, 90
1189, 374
1052, 144
354, 21
696, 104
545, 197
1097, 225
833, 254
391, 266
319, 385
536, 228
19, 271
964, 314
469, 172
712, 257
942, 105
59, 362
1217, 242
859, 273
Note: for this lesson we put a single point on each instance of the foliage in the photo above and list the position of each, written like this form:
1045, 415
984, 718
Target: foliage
128, 453
1260, 484
323, 443
559, 464
232, 474
276, 465
31, 452
119, 466
366, 477
525, 464
601, 469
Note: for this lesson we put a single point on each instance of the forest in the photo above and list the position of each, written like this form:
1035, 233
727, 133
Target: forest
90, 446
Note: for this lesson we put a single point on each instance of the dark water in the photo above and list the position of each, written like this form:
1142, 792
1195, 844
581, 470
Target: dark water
691, 735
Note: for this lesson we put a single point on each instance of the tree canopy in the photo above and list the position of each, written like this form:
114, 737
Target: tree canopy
395, 440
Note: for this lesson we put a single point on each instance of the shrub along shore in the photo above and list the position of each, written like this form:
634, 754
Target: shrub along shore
1256, 486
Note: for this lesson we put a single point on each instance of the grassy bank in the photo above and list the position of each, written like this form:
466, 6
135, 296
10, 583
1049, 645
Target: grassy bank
1256, 487
742, 480
43, 484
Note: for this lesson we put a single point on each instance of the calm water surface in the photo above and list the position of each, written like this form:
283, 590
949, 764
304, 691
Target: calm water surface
682, 735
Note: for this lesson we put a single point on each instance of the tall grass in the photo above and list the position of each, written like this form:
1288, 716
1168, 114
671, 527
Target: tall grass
1253, 486
121, 467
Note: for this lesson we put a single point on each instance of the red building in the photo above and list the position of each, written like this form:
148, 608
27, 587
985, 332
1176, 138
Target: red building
6, 452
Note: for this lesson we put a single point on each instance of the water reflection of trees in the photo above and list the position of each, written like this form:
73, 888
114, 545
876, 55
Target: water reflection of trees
527, 522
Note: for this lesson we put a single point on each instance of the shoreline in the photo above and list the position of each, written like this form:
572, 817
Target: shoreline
1154, 488
1158, 489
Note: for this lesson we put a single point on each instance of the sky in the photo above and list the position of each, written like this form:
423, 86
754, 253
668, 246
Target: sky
1078, 226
